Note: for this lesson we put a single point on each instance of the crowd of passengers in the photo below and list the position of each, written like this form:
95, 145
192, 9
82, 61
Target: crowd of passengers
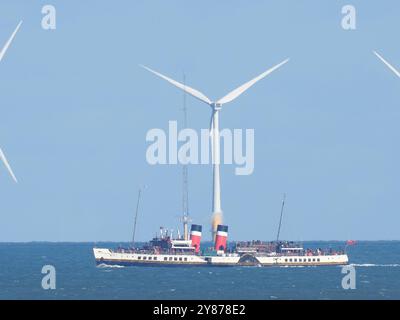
277, 248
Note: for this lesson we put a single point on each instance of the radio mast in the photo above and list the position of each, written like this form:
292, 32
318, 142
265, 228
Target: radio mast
185, 186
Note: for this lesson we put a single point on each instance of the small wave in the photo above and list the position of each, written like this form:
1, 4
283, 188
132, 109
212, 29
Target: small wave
295, 266
374, 265
104, 265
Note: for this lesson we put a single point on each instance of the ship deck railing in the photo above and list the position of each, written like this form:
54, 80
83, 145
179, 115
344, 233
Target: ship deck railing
299, 254
138, 251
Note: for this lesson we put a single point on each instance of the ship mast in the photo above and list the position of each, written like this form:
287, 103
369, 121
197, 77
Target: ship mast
280, 219
136, 215
185, 186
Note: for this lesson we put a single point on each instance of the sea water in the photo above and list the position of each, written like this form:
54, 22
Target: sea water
377, 266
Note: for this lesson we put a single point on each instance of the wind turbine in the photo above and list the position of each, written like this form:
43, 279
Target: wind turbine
2, 53
214, 130
396, 72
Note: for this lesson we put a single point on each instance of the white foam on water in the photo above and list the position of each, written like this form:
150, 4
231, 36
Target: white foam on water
374, 265
103, 265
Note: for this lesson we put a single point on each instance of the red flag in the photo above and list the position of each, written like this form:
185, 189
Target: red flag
351, 242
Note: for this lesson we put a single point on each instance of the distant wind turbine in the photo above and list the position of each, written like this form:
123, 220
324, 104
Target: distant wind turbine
396, 72
2, 53
214, 130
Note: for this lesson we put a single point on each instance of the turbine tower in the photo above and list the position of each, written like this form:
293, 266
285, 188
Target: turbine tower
2, 53
396, 72
214, 131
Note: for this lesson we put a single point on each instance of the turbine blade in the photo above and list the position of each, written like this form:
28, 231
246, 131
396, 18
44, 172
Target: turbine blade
4, 159
238, 91
187, 89
3, 51
387, 64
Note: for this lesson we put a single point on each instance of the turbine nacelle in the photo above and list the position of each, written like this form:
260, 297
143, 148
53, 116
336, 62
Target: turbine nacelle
215, 106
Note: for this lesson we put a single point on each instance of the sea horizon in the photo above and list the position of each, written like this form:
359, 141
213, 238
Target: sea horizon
230, 241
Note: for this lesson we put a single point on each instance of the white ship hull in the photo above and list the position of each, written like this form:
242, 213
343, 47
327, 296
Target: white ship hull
109, 257
321, 260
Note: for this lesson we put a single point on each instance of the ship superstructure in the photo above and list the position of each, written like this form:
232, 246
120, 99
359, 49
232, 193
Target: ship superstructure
163, 250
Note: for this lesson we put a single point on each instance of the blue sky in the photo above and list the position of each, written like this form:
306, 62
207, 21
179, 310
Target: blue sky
76, 108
